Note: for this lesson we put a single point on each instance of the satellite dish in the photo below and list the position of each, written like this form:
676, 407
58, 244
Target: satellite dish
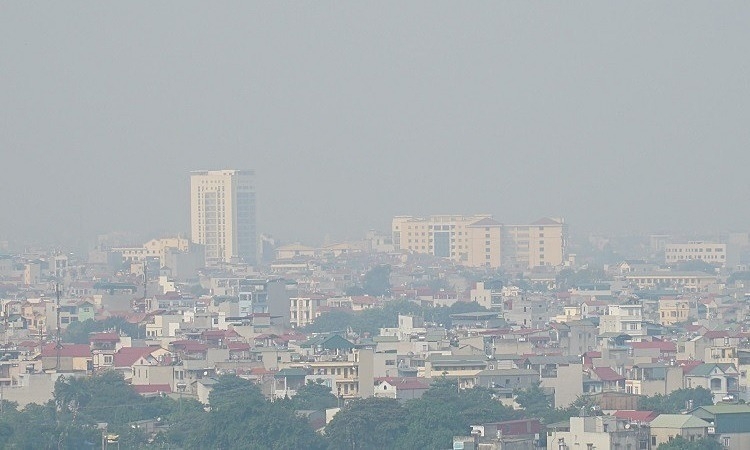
627, 426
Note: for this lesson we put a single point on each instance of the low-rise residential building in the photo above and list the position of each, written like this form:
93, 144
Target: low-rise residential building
401, 388
728, 423
623, 319
304, 309
721, 379
598, 433
674, 310
562, 374
462, 368
666, 427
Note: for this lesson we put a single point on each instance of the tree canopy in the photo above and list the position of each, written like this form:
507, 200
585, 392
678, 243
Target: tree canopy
78, 332
445, 411
372, 320
312, 396
680, 443
352, 428
677, 401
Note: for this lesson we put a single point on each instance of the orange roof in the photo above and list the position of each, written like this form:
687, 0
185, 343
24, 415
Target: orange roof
67, 350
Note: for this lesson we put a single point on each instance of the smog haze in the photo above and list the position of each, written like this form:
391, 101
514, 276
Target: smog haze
618, 116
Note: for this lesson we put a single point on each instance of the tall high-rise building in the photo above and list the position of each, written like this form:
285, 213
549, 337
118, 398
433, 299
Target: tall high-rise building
222, 214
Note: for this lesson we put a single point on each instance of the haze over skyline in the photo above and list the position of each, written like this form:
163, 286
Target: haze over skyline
616, 116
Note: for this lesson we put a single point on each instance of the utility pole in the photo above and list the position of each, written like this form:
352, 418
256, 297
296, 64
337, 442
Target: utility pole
58, 344
145, 279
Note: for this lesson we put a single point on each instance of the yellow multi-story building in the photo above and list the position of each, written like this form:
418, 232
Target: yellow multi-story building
541, 243
469, 240
156, 248
352, 373
673, 310
481, 241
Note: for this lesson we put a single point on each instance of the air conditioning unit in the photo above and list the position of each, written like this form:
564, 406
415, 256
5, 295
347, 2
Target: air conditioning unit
711, 430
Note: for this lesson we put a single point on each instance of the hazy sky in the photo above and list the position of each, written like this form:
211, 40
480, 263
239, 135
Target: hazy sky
615, 115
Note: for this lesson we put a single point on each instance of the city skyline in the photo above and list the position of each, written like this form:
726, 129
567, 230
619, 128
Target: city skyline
359, 113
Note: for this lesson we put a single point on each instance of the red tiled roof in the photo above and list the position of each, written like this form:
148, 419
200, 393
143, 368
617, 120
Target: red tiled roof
405, 382
67, 350
688, 365
152, 388
714, 334
105, 337
238, 346
127, 356
190, 346
607, 374
214, 333
524, 331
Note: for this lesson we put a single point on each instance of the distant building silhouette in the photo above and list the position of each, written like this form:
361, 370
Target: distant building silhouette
481, 241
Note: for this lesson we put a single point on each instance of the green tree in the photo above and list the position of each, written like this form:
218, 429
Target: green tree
371, 423
539, 404
569, 278
676, 401
442, 315
377, 281
312, 396
78, 332
336, 320
534, 400
738, 276
680, 443
241, 417
106, 397
445, 411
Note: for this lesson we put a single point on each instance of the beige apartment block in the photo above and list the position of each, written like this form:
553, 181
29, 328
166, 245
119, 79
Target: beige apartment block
304, 309
684, 281
156, 248
674, 310
469, 240
541, 243
222, 214
709, 252
481, 241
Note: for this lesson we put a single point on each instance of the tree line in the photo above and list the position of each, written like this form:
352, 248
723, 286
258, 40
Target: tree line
241, 417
